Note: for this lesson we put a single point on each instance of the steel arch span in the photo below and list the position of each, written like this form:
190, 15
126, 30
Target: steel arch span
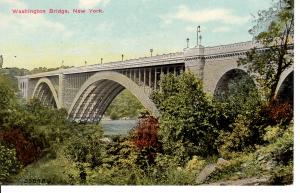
96, 94
46, 93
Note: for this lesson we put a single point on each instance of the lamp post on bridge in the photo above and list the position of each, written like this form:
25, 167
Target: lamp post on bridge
151, 51
187, 42
122, 57
199, 37
101, 60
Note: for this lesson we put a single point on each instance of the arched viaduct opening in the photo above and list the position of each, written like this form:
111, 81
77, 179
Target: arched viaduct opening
97, 93
233, 82
45, 92
286, 90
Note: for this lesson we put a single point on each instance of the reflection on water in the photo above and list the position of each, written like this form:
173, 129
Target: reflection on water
117, 127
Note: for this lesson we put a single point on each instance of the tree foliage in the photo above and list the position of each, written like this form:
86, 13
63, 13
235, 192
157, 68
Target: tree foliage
145, 138
7, 94
274, 29
9, 163
238, 114
187, 122
125, 105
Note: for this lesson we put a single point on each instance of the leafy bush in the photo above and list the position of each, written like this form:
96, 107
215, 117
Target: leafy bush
125, 105
273, 161
86, 149
187, 121
241, 138
277, 112
26, 151
59, 171
8, 99
9, 164
239, 112
145, 138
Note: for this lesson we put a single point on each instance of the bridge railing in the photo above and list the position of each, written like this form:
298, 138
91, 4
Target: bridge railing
131, 63
241, 46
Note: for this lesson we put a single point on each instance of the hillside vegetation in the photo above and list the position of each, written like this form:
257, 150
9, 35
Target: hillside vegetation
242, 137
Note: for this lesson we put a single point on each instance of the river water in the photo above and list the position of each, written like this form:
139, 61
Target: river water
117, 127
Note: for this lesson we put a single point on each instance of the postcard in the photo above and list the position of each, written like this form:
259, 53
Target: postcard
147, 92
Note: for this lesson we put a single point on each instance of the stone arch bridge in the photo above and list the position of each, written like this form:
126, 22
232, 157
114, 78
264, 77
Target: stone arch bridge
86, 92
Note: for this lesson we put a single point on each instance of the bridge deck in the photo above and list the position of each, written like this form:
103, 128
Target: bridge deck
158, 60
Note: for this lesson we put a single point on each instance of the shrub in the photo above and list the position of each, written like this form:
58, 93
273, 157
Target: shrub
26, 151
86, 149
187, 120
59, 171
277, 112
145, 138
240, 138
9, 164
8, 99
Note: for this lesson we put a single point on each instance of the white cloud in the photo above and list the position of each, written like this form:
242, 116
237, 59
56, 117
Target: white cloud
29, 23
14, 3
221, 29
222, 15
92, 3
104, 26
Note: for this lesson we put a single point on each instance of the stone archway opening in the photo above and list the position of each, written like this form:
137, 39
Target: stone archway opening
45, 95
234, 82
286, 90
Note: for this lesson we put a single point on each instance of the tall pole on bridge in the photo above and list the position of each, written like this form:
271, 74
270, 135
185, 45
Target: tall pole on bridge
187, 42
101, 60
151, 51
122, 57
199, 37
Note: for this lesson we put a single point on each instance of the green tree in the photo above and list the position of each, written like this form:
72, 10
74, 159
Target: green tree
241, 98
9, 163
274, 29
7, 99
238, 110
124, 105
188, 118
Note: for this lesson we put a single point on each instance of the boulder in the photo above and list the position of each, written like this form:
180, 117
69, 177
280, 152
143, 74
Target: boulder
210, 168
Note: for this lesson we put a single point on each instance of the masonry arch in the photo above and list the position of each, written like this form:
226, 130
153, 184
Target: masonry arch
285, 90
46, 93
96, 94
232, 78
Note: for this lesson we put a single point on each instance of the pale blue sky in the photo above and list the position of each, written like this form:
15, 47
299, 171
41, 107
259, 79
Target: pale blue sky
130, 27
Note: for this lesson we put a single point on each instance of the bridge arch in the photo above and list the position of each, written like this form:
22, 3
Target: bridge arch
285, 89
231, 78
45, 92
96, 94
